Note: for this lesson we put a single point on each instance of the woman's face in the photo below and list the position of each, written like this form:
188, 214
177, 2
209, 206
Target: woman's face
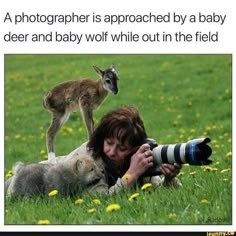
115, 151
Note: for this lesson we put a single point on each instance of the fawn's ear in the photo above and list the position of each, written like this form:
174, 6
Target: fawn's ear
113, 68
98, 71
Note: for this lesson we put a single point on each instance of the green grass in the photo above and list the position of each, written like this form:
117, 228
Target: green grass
180, 97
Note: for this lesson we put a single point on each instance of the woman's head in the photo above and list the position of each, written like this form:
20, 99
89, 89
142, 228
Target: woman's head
124, 125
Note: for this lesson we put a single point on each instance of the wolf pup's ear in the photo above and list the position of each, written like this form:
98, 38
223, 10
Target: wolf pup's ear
79, 164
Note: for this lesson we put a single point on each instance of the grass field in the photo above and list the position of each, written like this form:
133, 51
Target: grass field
180, 97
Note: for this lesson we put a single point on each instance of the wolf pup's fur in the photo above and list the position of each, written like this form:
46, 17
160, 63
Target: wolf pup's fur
69, 178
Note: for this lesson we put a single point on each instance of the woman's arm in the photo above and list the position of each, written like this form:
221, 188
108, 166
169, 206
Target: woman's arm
140, 162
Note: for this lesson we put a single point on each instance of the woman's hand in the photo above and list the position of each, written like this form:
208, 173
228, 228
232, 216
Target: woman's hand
139, 163
170, 171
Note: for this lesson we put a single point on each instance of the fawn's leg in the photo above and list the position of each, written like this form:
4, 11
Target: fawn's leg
87, 115
57, 121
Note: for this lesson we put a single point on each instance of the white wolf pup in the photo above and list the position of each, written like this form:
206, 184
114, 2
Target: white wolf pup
75, 176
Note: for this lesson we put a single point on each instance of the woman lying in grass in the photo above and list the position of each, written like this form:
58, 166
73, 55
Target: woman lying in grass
120, 159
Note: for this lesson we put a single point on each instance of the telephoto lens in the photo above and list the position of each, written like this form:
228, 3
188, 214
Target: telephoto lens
194, 152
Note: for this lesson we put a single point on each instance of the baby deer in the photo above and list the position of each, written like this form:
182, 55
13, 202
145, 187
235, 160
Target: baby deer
84, 95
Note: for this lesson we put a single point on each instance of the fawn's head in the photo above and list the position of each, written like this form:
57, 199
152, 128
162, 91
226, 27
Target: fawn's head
109, 78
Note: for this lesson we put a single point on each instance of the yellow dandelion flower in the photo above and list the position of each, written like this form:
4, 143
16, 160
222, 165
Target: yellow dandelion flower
192, 130
53, 193
179, 116
96, 201
175, 123
186, 164
193, 173
172, 215
214, 141
217, 163
9, 174
43, 222
225, 171
42, 152
180, 173
207, 168
182, 131
204, 201
126, 176
17, 136
229, 154
42, 136
208, 128
69, 129
227, 91
146, 186
91, 210
79, 201
133, 196
113, 207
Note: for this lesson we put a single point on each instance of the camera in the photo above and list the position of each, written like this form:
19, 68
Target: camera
194, 152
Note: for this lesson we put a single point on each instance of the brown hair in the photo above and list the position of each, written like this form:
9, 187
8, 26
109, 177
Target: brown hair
124, 123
